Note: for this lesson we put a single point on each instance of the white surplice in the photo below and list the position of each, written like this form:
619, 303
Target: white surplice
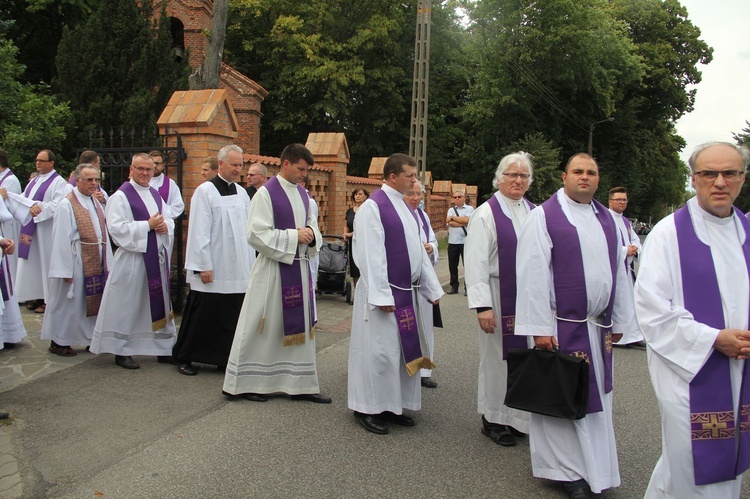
427, 317
483, 289
31, 276
678, 345
174, 203
378, 380
630, 237
217, 241
561, 449
259, 362
11, 228
12, 329
65, 320
123, 326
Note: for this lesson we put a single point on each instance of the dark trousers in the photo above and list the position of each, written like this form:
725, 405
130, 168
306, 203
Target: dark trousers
455, 251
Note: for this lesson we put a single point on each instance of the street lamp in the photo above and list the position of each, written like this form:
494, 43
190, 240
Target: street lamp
591, 134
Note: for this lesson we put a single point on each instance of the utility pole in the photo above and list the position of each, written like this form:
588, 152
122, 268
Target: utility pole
420, 91
591, 134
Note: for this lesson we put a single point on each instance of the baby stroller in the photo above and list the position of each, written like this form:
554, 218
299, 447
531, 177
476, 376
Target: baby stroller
333, 273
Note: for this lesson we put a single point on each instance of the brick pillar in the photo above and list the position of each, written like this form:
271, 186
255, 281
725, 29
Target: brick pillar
332, 152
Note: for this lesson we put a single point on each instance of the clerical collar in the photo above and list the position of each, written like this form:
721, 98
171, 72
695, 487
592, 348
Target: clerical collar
512, 202
225, 180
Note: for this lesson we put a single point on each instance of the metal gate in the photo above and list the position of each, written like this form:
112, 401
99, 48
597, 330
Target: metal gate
115, 165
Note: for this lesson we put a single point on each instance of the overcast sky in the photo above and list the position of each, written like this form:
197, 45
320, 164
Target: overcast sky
722, 103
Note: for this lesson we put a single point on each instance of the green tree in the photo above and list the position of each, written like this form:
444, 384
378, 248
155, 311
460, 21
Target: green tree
118, 68
37, 29
32, 119
346, 66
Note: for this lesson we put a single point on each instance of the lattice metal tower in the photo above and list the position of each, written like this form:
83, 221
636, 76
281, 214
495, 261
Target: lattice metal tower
420, 92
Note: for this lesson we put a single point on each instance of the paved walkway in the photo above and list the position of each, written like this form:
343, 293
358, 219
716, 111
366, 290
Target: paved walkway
30, 360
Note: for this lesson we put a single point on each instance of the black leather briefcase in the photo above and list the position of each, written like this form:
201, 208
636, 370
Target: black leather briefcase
546, 382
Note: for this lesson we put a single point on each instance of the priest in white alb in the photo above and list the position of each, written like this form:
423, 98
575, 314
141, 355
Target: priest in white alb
572, 293
135, 315
388, 345
11, 228
431, 317
79, 265
218, 261
618, 202
490, 248
692, 298
274, 345
41, 198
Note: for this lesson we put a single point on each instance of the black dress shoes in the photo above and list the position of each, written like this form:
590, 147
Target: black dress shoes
580, 493
399, 419
255, 397
312, 397
514, 432
501, 436
187, 369
452, 291
372, 423
4, 415
126, 362
428, 382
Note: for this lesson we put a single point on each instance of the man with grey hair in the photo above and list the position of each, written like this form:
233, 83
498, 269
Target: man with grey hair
218, 261
457, 220
256, 177
428, 239
135, 315
691, 299
79, 266
491, 285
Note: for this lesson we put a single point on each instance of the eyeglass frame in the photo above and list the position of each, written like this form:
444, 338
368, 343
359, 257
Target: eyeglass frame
713, 175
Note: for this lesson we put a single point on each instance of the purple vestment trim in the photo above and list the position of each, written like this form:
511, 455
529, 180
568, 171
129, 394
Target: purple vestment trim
570, 291
151, 256
164, 189
293, 305
506, 266
27, 231
718, 455
399, 276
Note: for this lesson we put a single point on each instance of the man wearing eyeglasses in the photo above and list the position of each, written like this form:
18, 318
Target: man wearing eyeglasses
692, 298
135, 315
256, 177
491, 285
42, 194
457, 221
573, 294
618, 202
79, 265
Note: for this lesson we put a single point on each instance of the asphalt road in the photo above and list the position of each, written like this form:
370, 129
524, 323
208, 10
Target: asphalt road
96, 430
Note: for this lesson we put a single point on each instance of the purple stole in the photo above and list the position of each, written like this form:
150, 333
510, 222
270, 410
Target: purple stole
716, 455
570, 291
150, 257
27, 231
399, 279
292, 300
506, 265
164, 189
8, 173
